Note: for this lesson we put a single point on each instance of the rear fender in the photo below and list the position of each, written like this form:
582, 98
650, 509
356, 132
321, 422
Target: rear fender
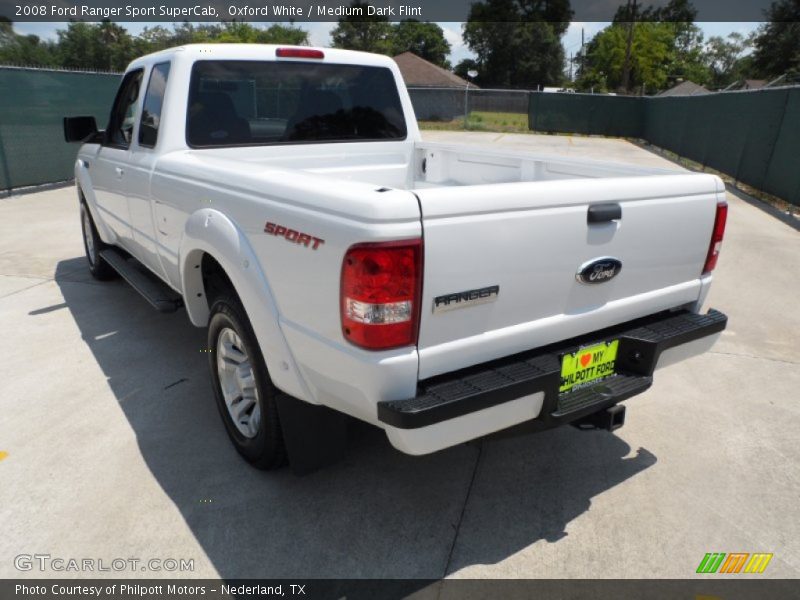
211, 232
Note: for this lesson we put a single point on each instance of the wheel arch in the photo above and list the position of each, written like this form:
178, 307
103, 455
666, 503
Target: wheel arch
83, 185
213, 240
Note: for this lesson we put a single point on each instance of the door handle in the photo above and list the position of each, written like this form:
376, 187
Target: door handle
120, 172
603, 213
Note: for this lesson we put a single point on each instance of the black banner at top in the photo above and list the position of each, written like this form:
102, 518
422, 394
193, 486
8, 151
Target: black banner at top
175, 11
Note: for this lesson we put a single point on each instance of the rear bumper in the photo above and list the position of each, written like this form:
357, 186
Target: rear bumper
536, 376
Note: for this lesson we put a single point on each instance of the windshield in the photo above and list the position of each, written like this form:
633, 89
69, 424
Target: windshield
237, 103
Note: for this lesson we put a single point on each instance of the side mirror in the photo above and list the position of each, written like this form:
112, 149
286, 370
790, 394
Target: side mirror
147, 134
80, 129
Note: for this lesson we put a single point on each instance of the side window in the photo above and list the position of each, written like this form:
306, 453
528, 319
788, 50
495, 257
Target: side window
123, 113
153, 101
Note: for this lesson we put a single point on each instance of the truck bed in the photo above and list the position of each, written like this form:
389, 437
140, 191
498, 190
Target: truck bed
432, 165
517, 222
445, 165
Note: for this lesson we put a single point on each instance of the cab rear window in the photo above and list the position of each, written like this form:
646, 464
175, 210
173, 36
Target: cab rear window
239, 103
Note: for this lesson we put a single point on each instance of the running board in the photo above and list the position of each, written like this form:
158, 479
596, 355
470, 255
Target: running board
156, 292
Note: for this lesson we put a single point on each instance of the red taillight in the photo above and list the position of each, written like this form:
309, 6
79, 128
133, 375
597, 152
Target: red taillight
299, 53
716, 237
380, 294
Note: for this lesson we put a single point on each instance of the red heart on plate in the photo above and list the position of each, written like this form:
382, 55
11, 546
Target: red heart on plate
585, 359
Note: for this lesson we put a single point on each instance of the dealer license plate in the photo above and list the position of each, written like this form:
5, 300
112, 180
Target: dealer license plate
588, 364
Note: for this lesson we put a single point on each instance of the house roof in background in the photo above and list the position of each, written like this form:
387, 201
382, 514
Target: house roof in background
753, 84
418, 72
685, 88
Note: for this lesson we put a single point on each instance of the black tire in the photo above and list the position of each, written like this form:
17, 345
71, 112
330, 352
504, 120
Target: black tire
99, 268
266, 449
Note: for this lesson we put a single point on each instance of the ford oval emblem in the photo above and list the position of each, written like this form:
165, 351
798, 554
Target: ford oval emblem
599, 270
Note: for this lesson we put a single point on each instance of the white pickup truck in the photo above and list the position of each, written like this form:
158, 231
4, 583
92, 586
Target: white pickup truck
344, 266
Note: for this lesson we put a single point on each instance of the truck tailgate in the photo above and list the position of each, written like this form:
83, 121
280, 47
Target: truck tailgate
503, 260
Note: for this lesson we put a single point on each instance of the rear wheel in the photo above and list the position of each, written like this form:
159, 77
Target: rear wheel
92, 244
245, 396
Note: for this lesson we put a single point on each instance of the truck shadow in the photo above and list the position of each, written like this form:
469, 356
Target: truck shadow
376, 514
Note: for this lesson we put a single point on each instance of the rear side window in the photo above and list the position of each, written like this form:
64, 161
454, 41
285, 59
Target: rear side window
237, 103
153, 101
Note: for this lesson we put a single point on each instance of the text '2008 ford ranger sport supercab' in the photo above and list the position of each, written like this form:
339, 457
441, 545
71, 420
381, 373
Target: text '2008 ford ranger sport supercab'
345, 267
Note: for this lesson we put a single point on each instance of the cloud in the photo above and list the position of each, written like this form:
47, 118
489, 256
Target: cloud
458, 49
319, 33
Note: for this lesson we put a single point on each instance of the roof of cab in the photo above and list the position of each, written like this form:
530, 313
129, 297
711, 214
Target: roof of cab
194, 52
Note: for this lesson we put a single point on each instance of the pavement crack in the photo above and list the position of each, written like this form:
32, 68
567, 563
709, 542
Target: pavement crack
44, 280
777, 360
38, 283
463, 511
174, 383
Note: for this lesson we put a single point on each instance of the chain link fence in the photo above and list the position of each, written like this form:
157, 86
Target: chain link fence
446, 104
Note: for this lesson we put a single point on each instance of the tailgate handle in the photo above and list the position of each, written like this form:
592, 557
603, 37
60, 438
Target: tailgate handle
603, 213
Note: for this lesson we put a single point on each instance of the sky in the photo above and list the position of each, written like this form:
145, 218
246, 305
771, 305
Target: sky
319, 33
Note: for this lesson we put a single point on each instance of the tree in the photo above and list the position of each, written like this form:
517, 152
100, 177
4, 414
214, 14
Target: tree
645, 49
518, 42
426, 40
33, 51
604, 63
23, 49
103, 46
153, 39
725, 59
78, 46
284, 34
116, 47
107, 46
464, 67
190, 33
246, 33
777, 44
6, 31
362, 32
675, 11
686, 60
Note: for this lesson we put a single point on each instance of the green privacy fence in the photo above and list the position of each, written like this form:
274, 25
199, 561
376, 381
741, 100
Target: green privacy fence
32, 105
751, 136
589, 114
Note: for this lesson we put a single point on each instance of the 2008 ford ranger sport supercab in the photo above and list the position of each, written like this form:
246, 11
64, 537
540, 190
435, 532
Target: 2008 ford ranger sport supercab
344, 266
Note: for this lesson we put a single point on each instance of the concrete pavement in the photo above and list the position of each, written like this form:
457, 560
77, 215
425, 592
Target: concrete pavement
115, 450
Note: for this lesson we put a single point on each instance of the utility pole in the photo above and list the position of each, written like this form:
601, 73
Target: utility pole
626, 67
583, 55
583, 52
471, 74
570, 67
